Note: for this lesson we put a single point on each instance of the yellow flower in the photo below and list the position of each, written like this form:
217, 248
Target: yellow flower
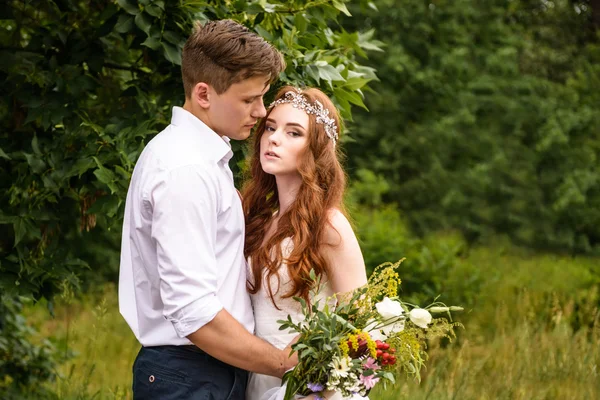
344, 347
354, 342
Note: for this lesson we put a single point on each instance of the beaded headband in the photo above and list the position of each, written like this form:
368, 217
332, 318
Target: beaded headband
297, 100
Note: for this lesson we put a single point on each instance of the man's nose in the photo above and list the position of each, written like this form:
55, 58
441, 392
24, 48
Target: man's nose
260, 111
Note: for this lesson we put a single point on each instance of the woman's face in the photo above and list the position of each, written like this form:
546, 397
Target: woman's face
283, 141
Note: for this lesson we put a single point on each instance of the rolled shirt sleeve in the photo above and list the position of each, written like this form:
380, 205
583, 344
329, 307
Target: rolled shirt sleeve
184, 225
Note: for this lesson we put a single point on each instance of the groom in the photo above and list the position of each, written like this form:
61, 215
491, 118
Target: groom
182, 284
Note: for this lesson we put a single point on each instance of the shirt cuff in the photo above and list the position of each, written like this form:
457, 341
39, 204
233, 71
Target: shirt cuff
194, 316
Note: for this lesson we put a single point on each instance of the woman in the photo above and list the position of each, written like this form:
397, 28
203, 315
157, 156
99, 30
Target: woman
294, 217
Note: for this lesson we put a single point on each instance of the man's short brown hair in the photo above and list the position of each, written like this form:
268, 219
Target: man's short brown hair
224, 52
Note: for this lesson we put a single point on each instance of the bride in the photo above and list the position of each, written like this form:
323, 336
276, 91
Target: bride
294, 218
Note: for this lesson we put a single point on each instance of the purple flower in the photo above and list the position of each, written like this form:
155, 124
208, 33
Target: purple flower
315, 387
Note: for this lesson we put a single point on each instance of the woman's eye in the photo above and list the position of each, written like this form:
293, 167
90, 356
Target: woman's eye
269, 128
295, 134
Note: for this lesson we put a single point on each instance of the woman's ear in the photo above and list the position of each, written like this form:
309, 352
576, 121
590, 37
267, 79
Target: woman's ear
201, 94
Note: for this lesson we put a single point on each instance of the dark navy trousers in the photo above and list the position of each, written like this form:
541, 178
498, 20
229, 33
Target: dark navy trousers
185, 373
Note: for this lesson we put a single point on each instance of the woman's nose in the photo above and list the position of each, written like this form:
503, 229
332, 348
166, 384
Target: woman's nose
274, 137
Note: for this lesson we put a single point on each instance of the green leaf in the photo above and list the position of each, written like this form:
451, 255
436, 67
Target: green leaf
37, 165
301, 301
4, 155
20, 229
129, 6
368, 372
341, 7
329, 73
49, 182
81, 166
35, 145
354, 97
144, 22
151, 42
389, 376
124, 173
264, 33
108, 205
105, 176
300, 22
355, 83
124, 24
153, 10
172, 37
313, 72
7, 219
172, 53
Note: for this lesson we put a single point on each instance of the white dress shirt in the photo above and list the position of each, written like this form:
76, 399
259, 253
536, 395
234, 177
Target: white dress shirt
182, 253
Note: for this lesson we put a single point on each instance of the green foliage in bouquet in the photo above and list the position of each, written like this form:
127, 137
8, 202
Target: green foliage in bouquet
354, 340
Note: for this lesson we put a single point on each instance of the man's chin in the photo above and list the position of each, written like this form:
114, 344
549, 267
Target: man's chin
242, 134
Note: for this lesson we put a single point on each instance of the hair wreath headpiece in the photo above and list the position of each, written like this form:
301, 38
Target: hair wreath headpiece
297, 100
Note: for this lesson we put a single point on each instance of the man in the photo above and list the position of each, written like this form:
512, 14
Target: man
182, 284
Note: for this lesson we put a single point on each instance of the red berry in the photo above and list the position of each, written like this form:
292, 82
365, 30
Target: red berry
386, 346
379, 353
385, 356
392, 350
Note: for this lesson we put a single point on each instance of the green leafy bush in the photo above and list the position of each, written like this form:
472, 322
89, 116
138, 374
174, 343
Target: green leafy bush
434, 265
486, 118
85, 86
24, 366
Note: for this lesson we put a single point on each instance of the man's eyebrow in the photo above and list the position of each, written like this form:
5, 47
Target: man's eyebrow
264, 91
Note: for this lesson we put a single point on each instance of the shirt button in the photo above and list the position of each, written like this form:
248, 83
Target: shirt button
151, 378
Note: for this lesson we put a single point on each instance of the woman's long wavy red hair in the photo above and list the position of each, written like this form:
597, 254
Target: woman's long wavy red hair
322, 189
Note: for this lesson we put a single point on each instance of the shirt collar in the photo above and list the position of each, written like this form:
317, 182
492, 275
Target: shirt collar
216, 145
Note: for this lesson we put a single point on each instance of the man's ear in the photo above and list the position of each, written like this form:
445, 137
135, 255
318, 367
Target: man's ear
201, 94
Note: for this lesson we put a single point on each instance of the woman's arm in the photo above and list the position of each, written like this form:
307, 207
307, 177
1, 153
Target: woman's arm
346, 265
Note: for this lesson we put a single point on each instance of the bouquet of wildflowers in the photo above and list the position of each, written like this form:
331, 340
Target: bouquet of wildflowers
366, 337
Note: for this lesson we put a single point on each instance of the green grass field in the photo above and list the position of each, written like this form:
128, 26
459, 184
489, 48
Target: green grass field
532, 333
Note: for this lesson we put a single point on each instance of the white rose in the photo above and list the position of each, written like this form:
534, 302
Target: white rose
371, 324
389, 308
393, 328
420, 317
377, 334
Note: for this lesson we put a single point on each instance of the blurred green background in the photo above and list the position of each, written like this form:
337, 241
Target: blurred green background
472, 146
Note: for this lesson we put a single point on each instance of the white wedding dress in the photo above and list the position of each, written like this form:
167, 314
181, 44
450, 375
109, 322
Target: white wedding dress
266, 315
